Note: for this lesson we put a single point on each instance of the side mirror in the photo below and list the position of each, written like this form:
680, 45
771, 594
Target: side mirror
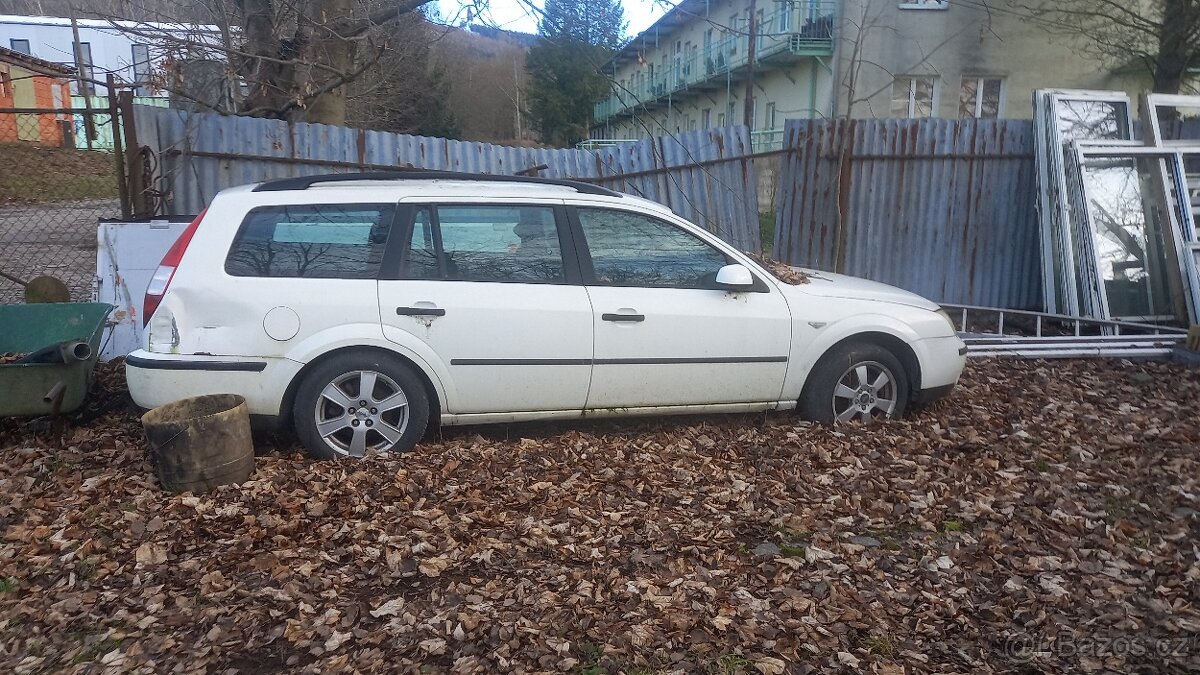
735, 278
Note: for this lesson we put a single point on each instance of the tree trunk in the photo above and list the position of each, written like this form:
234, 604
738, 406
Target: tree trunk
1175, 46
270, 82
335, 51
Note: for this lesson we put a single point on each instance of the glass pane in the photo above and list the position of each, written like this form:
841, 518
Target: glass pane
901, 96
420, 260
1128, 230
500, 243
630, 249
1179, 123
1099, 120
989, 107
966, 97
923, 97
327, 241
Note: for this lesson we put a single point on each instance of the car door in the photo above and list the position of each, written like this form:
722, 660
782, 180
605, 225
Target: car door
665, 333
486, 286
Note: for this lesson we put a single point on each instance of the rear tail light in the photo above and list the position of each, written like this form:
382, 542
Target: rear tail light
166, 270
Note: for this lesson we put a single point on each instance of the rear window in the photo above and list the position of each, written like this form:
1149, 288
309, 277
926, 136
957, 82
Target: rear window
321, 241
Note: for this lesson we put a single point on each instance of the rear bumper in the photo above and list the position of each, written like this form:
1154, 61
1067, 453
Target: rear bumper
158, 379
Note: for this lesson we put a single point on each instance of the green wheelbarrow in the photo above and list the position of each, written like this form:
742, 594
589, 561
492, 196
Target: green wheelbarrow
50, 351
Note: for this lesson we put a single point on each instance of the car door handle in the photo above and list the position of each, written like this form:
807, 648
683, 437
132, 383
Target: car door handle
420, 311
623, 317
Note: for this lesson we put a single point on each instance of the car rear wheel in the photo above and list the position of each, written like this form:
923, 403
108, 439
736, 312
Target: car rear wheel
856, 382
357, 403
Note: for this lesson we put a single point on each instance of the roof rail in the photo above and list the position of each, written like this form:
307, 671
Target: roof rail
305, 182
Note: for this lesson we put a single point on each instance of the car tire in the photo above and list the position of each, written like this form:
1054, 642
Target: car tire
329, 412
836, 394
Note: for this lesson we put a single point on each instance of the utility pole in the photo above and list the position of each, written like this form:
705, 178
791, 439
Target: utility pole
517, 88
751, 49
85, 84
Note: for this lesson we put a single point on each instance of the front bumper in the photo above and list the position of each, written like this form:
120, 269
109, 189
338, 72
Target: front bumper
926, 396
942, 361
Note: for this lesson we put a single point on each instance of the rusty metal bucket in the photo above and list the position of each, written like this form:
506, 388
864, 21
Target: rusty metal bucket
199, 443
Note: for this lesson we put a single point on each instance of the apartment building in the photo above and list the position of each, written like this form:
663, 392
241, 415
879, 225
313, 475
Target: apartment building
688, 71
837, 58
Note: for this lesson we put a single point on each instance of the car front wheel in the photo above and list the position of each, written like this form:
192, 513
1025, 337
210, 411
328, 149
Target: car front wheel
356, 403
855, 382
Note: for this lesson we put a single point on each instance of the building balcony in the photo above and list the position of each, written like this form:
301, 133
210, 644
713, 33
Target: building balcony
800, 30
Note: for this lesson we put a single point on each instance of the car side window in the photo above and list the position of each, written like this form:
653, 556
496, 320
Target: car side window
485, 243
421, 260
320, 241
631, 249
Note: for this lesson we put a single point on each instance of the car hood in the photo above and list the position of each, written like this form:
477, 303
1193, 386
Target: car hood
830, 285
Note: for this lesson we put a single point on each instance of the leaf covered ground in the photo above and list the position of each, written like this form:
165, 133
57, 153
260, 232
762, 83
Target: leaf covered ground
1044, 518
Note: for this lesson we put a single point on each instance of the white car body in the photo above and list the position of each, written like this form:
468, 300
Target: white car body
504, 351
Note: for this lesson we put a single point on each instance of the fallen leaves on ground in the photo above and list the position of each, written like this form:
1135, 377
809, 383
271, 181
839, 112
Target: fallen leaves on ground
782, 271
1033, 521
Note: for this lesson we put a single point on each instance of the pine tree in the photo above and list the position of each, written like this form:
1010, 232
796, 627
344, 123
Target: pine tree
578, 36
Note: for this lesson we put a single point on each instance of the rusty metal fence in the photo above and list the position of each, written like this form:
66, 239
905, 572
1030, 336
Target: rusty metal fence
944, 208
706, 176
51, 197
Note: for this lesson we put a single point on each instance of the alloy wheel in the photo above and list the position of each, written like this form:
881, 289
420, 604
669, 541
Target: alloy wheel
361, 410
866, 391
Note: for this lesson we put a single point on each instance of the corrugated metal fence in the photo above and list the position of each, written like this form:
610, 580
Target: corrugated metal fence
704, 176
944, 208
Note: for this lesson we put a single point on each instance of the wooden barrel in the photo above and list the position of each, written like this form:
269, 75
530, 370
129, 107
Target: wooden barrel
199, 443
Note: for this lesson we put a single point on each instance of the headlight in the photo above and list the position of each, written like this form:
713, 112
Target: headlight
946, 315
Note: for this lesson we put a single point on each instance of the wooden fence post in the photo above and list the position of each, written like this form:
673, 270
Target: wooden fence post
143, 206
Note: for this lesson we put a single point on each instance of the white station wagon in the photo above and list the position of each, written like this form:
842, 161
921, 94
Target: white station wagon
359, 307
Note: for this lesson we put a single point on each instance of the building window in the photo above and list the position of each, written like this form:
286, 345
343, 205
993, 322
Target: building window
980, 97
706, 118
85, 71
20, 46
784, 17
913, 95
141, 69
5, 83
721, 120
924, 4
771, 115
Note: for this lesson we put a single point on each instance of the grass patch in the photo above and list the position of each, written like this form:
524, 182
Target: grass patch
730, 664
1117, 507
7, 585
766, 231
590, 655
880, 644
952, 526
790, 551
32, 173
